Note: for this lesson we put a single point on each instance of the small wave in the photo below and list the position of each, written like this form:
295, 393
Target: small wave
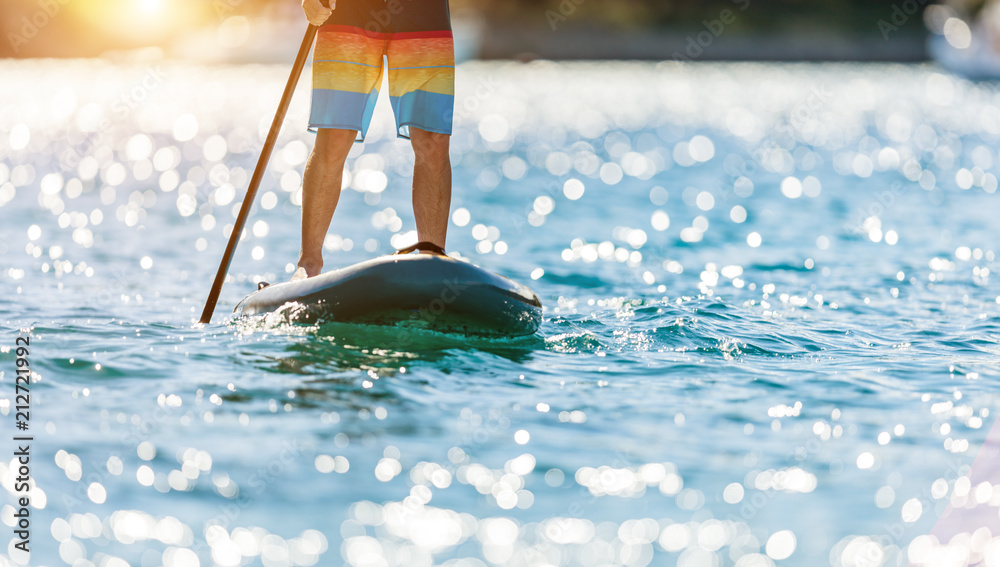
580, 342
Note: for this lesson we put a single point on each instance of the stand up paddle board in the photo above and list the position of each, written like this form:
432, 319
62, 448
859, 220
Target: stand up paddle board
415, 291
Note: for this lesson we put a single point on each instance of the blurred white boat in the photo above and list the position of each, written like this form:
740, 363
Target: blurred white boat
965, 43
978, 61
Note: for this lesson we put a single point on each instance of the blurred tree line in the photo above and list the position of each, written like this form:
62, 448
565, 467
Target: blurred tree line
506, 27
779, 16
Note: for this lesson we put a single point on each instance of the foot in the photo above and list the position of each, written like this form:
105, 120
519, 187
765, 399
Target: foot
306, 268
300, 274
423, 247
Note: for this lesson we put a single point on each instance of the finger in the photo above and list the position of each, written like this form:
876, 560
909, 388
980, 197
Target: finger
320, 18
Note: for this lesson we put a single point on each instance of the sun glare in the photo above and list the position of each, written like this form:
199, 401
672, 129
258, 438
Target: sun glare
150, 6
141, 20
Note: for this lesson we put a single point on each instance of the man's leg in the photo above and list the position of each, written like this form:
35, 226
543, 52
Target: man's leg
320, 193
431, 184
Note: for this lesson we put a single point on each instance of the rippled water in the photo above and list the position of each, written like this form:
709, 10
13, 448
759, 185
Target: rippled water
770, 320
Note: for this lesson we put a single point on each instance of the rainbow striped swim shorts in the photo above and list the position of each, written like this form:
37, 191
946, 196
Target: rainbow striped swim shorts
409, 39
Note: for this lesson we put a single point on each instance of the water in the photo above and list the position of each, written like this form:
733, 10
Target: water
769, 332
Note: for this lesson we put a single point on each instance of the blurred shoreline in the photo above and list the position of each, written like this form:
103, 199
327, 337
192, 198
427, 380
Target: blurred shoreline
473, 40
273, 37
517, 42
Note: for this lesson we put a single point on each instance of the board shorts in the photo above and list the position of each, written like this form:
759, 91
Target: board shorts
410, 40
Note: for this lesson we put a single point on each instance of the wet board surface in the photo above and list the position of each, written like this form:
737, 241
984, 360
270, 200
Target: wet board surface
418, 291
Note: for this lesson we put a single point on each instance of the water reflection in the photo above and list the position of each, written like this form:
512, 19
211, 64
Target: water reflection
770, 326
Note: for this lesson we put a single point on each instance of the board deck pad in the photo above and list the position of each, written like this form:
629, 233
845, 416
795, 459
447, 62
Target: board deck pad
420, 291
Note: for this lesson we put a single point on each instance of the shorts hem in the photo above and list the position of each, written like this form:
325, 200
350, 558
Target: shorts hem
359, 138
407, 125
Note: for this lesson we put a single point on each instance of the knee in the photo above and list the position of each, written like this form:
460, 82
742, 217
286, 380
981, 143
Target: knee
429, 145
333, 144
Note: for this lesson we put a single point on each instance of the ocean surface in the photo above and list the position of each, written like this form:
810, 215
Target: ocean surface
770, 321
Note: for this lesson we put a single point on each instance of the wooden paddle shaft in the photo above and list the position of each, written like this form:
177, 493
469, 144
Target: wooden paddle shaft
258, 174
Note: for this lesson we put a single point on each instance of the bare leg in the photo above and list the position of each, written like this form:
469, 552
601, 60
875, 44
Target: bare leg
431, 184
320, 194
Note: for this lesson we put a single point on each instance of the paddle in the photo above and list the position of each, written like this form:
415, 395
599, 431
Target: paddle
258, 173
